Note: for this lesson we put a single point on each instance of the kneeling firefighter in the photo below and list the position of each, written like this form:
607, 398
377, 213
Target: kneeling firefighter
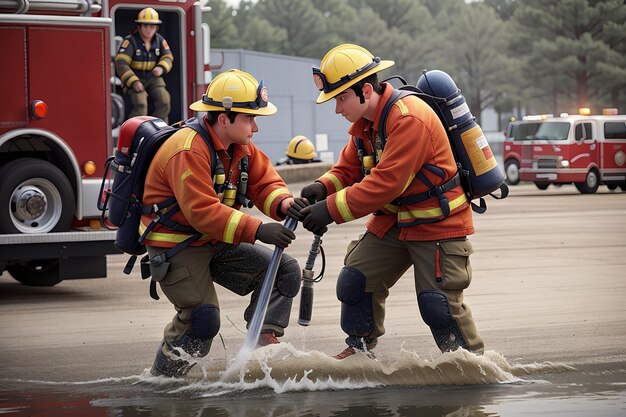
209, 197
410, 183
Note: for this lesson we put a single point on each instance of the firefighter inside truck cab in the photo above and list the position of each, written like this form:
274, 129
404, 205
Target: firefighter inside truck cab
142, 60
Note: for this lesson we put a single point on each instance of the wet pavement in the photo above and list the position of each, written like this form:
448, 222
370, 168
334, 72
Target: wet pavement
549, 274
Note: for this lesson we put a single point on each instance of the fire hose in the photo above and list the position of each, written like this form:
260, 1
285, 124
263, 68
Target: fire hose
254, 329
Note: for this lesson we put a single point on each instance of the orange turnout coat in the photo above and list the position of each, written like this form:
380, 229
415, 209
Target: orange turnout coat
415, 138
182, 168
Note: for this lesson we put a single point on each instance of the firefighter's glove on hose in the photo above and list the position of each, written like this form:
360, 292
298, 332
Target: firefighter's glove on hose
316, 218
275, 234
295, 209
314, 192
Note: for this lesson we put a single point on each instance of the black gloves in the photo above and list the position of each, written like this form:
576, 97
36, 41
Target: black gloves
314, 192
275, 234
316, 218
296, 207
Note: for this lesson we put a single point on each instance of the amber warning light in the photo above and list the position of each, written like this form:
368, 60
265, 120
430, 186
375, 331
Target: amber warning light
89, 167
38, 109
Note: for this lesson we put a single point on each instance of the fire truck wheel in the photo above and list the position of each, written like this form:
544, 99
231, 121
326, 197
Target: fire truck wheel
511, 168
542, 185
37, 273
591, 183
117, 110
35, 197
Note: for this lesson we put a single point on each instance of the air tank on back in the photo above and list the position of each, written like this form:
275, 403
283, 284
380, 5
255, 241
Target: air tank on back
467, 139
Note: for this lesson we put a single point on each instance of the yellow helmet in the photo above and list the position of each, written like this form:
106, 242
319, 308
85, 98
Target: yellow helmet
300, 147
344, 66
237, 91
148, 16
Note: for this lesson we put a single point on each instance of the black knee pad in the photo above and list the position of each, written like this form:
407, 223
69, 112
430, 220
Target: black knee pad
435, 312
434, 309
205, 321
356, 304
288, 277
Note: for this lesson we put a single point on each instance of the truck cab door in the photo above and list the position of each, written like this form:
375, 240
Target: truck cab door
613, 148
586, 150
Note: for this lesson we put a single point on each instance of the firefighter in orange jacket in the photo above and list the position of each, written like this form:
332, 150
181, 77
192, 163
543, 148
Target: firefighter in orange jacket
225, 254
142, 60
420, 214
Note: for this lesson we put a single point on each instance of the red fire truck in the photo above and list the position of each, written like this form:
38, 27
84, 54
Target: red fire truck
586, 150
518, 134
56, 123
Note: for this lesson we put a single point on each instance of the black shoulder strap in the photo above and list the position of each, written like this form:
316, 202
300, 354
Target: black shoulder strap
382, 124
199, 127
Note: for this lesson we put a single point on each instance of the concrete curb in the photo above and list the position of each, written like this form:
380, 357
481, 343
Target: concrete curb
302, 172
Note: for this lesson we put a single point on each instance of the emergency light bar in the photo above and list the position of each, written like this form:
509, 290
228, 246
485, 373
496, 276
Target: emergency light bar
537, 117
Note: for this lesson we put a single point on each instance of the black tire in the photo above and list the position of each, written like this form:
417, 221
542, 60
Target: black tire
35, 197
591, 184
37, 273
511, 170
542, 185
612, 187
117, 110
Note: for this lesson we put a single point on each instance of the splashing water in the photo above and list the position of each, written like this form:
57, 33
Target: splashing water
283, 368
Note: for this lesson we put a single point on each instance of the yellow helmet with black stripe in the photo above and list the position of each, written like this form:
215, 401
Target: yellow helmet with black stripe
235, 91
344, 66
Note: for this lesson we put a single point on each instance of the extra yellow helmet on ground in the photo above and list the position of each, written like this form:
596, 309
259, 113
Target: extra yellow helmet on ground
300, 147
148, 16
236, 91
344, 66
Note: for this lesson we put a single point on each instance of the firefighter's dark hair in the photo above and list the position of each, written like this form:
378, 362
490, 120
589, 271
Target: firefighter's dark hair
372, 79
212, 116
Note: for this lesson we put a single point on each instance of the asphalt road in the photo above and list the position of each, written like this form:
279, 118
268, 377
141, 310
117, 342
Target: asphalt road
549, 283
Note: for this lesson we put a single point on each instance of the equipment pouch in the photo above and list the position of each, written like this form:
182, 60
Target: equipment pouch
454, 264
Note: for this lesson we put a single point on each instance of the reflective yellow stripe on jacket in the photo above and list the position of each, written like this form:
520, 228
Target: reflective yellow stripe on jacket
164, 236
334, 180
407, 215
231, 226
267, 205
342, 206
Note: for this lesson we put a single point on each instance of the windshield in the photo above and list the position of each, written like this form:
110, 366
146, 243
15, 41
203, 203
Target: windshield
553, 131
523, 131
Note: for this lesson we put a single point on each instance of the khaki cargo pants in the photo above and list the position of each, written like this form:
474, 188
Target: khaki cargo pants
156, 91
441, 271
239, 268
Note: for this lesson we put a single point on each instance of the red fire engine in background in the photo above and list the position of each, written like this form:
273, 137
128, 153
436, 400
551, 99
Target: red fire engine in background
58, 111
586, 150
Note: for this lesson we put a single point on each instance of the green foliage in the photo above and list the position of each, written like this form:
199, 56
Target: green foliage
478, 58
571, 48
223, 29
538, 55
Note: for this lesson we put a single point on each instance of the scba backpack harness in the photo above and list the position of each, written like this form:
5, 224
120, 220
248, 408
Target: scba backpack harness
477, 173
139, 140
